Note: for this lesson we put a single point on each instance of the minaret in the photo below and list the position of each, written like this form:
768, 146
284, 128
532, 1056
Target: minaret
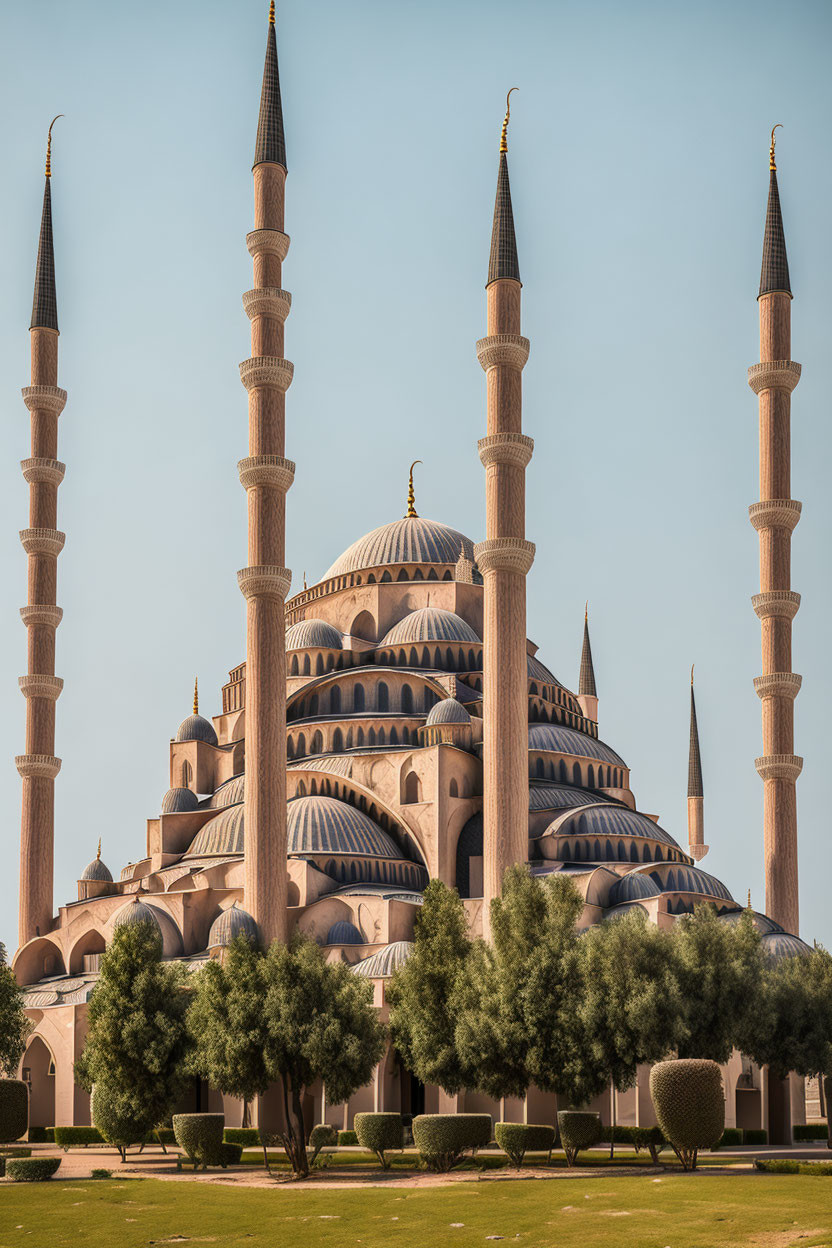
43, 543
696, 791
587, 692
504, 557
774, 518
266, 476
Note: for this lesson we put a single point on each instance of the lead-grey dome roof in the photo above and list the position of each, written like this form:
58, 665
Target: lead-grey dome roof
562, 740
448, 711
177, 800
196, 728
382, 964
313, 634
780, 945
344, 933
231, 923
137, 911
412, 540
430, 624
97, 871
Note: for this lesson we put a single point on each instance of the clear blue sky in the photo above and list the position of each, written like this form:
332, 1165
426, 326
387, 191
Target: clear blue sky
639, 171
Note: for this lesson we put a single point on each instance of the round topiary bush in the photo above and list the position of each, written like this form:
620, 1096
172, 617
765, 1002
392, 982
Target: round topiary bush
379, 1132
322, 1136
200, 1137
518, 1138
31, 1169
14, 1110
578, 1129
113, 1115
230, 1154
442, 1139
690, 1105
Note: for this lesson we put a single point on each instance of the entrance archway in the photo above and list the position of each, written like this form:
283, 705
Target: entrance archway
39, 1074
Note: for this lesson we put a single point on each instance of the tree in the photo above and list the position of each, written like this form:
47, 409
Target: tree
320, 1024
423, 994
137, 1040
795, 1031
14, 1025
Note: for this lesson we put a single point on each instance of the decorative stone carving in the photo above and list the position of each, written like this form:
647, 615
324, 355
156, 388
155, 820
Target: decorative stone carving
782, 602
779, 766
267, 301
774, 375
42, 541
506, 448
267, 242
264, 580
267, 370
44, 398
775, 513
778, 685
266, 470
38, 766
41, 613
504, 554
41, 686
503, 349
39, 469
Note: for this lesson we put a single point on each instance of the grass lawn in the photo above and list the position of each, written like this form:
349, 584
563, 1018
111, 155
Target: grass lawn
680, 1211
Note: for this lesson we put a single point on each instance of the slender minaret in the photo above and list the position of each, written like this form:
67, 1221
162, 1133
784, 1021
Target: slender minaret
774, 518
587, 692
696, 791
266, 476
43, 543
504, 557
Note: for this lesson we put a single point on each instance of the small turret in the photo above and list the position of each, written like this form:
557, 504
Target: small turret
696, 792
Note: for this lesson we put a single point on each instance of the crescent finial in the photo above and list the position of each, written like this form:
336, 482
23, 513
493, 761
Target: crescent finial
49, 146
771, 162
691, 674
504, 135
411, 513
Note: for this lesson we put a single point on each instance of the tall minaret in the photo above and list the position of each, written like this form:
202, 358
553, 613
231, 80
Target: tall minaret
587, 692
774, 517
266, 476
504, 557
43, 543
696, 790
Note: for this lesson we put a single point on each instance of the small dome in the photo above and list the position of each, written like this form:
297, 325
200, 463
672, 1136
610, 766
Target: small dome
430, 624
195, 728
678, 878
633, 887
448, 711
344, 933
177, 800
138, 911
97, 870
412, 540
381, 965
764, 925
231, 923
781, 945
313, 634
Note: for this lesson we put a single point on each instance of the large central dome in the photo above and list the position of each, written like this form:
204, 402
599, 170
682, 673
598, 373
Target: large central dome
412, 540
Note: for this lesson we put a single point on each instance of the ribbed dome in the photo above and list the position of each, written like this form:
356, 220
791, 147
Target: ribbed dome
678, 878
613, 822
220, 836
344, 933
381, 965
97, 871
231, 923
177, 800
633, 887
539, 671
195, 728
562, 740
413, 540
137, 911
430, 624
780, 945
228, 794
448, 711
764, 925
313, 635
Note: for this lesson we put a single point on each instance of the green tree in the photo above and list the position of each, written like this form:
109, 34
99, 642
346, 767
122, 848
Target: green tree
423, 994
320, 1024
137, 1040
794, 1025
14, 1025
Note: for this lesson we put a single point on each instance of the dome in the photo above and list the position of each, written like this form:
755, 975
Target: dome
539, 671
430, 624
97, 871
781, 945
633, 887
137, 911
228, 793
195, 728
381, 965
412, 540
313, 635
448, 711
219, 836
177, 800
611, 822
764, 925
344, 933
562, 740
679, 878
231, 923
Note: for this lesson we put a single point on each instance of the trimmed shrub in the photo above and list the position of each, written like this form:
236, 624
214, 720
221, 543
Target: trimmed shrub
112, 1114
230, 1154
31, 1169
730, 1138
322, 1136
690, 1105
578, 1129
77, 1137
442, 1139
200, 1137
8, 1153
623, 1135
650, 1138
787, 1166
347, 1137
101, 1173
14, 1110
249, 1137
39, 1135
378, 1133
811, 1131
755, 1135
518, 1138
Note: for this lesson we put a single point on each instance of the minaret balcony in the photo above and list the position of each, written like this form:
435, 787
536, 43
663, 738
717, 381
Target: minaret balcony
504, 554
268, 243
270, 470
38, 470
44, 398
778, 685
267, 370
506, 448
41, 613
511, 349
42, 541
784, 603
37, 766
774, 375
779, 766
698, 851
264, 580
267, 301
41, 686
775, 513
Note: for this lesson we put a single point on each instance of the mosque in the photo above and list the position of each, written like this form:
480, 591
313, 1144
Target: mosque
391, 723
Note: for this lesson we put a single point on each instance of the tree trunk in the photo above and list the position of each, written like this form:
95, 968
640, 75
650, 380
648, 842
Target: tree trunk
246, 1113
300, 1129
825, 1089
613, 1107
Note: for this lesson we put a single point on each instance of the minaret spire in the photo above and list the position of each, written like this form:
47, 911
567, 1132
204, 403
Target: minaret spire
270, 146
504, 558
774, 518
42, 542
696, 792
587, 692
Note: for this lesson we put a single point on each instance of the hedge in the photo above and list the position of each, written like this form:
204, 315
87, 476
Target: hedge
249, 1137
8, 1153
690, 1105
578, 1129
77, 1137
650, 1138
378, 1133
14, 1110
784, 1166
41, 1135
811, 1131
442, 1139
200, 1136
101, 1173
518, 1138
730, 1138
347, 1137
754, 1135
322, 1136
31, 1169
230, 1154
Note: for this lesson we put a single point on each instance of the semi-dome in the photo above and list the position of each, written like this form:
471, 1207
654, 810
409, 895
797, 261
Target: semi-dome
313, 634
138, 911
344, 933
228, 793
448, 711
196, 728
97, 871
680, 878
559, 739
177, 800
231, 923
781, 945
224, 834
633, 887
609, 822
413, 540
430, 624
381, 965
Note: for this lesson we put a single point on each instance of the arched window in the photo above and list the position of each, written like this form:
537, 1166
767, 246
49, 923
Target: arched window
301, 789
337, 741
386, 577
432, 575
394, 736
317, 746
407, 700
414, 658
453, 790
313, 705
402, 575
295, 671
380, 738
330, 663
360, 736
187, 775
551, 771
633, 852
472, 662
576, 773
290, 748
449, 659
412, 788
371, 737
307, 665
301, 747
591, 776
429, 698
563, 774
358, 697
418, 575
540, 769
349, 739
335, 701
382, 696
319, 665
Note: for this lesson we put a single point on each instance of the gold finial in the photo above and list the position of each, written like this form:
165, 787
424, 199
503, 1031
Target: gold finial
196, 695
411, 513
749, 899
305, 586
771, 163
98, 855
271, 13
691, 674
49, 146
586, 612
504, 135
